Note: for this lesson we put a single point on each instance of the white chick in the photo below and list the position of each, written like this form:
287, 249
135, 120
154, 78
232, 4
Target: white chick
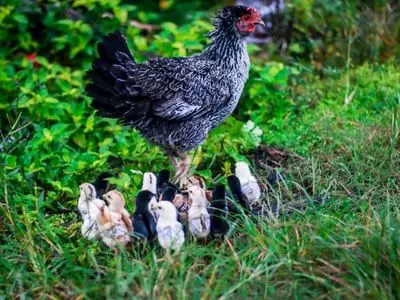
248, 183
198, 216
169, 231
120, 219
90, 207
150, 184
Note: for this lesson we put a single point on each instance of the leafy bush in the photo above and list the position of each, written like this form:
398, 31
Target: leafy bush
346, 123
330, 33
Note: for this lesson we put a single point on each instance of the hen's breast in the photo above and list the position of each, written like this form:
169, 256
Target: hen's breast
235, 81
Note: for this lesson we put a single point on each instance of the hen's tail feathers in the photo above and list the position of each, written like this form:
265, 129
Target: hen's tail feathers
109, 88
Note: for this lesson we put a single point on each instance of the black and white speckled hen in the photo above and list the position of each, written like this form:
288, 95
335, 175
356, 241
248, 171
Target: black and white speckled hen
175, 102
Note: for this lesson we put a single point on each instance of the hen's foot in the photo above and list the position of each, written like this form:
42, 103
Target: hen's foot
182, 172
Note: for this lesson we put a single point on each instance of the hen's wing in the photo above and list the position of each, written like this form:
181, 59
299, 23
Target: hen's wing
173, 89
169, 88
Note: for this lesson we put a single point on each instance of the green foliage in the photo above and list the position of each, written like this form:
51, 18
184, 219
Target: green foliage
343, 122
329, 33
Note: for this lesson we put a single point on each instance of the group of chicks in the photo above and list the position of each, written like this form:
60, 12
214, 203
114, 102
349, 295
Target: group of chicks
163, 210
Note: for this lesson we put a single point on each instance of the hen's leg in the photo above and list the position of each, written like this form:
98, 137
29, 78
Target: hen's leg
182, 170
177, 164
174, 161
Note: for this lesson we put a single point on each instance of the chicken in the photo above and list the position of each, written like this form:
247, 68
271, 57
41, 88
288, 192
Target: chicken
168, 195
219, 226
120, 218
237, 193
175, 102
198, 216
144, 222
248, 183
150, 184
101, 184
90, 207
272, 12
169, 231
163, 183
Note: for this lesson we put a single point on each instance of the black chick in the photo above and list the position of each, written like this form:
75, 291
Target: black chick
163, 183
168, 194
101, 185
218, 212
144, 225
236, 190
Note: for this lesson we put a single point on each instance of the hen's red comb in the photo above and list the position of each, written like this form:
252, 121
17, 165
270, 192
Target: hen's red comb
252, 10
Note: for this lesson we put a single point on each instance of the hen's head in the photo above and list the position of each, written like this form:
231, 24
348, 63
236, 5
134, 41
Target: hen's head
241, 19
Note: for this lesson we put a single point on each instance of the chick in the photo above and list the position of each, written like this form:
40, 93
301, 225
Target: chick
219, 211
164, 183
144, 224
196, 180
198, 216
168, 191
150, 184
168, 194
248, 183
200, 182
236, 190
122, 224
90, 207
169, 231
101, 184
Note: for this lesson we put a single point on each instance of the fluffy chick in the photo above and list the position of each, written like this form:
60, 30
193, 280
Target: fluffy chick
219, 212
169, 231
101, 184
90, 207
198, 216
236, 190
144, 224
248, 183
163, 182
122, 224
150, 184
168, 194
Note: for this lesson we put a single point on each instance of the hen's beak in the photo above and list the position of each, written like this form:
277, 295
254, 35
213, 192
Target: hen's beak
260, 22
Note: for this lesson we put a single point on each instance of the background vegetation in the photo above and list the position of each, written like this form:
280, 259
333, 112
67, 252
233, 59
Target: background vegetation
321, 108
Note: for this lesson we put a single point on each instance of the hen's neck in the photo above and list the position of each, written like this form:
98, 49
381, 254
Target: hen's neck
228, 49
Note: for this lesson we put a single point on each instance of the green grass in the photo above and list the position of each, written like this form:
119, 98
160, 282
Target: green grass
346, 247
342, 123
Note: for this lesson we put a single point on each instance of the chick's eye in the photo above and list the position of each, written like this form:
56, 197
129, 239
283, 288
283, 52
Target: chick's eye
159, 208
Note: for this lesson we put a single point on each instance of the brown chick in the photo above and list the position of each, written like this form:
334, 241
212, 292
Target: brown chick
120, 219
